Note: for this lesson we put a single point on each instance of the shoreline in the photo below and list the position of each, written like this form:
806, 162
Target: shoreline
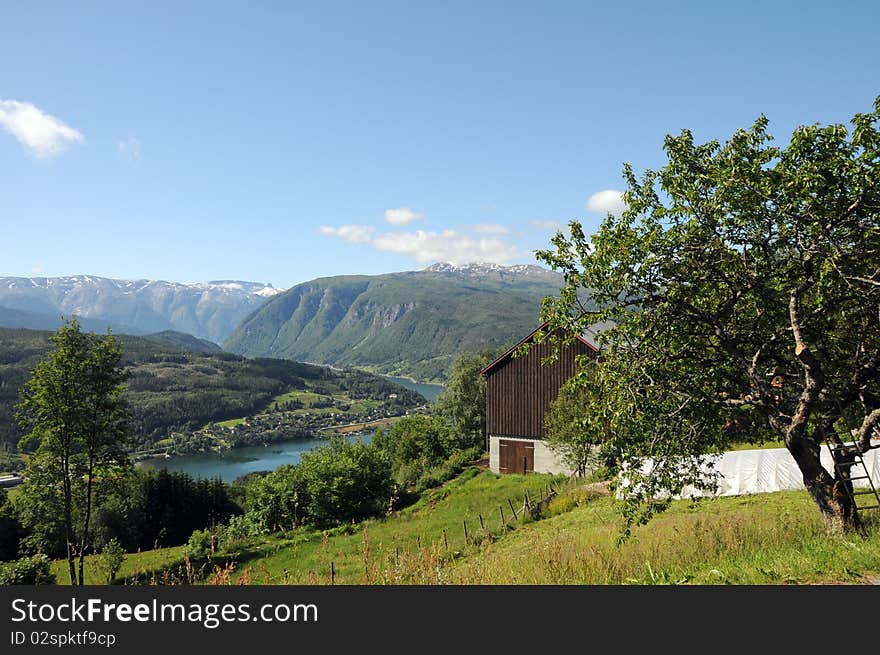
137, 459
412, 380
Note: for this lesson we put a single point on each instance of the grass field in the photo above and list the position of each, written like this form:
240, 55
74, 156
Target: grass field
139, 565
773, 538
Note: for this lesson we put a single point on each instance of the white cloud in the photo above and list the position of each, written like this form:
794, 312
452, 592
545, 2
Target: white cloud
36, 269
546, 225
43, 135
607, 202
352, 233
401, 216
490, 228
446, 246
129, 149
429, 247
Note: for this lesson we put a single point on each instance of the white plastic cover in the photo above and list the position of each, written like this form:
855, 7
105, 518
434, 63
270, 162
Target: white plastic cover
762, 471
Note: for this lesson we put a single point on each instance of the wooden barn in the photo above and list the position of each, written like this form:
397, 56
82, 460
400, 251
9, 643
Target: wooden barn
519, 391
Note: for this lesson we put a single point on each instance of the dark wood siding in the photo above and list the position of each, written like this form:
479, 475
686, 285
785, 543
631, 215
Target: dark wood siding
519, 390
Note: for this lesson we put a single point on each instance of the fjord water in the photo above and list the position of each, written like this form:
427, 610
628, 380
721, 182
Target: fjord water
231, 464
429, 391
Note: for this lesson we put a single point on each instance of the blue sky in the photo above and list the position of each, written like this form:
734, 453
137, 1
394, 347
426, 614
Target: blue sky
279, 142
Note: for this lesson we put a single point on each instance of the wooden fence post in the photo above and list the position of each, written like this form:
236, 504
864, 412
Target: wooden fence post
482, 527
332, 573
464, 523
445, 543
513, 509
501, 511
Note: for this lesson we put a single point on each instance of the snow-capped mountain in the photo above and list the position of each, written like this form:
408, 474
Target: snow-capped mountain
487, 270
209, 310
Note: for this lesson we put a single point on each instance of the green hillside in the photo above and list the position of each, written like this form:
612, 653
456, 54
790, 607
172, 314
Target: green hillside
411, 324
183, 341
170, 388
773, 538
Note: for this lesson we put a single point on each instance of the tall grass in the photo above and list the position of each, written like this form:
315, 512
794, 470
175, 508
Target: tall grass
763, 539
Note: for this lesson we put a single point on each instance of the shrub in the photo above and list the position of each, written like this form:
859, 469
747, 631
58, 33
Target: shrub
238, 533
27, 571
110, 560
199, 545
344, 481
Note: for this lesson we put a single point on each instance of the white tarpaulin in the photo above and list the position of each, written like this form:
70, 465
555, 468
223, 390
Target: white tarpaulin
762, 471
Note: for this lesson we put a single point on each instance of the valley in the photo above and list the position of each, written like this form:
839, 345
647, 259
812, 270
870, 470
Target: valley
187, 401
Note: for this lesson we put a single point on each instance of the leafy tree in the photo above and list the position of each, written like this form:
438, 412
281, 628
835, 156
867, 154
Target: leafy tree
417, 443
744, 283
71, 408
573, 433
344, 481
463, 402
273, 501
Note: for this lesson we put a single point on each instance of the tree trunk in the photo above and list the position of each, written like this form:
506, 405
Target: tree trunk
831, 494
68, 515
86, 521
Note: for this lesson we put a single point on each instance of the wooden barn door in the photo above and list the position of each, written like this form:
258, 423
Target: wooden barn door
516, 456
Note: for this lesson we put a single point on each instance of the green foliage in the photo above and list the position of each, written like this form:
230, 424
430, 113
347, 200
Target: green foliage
198, 545
237, 533
337, 483
463, 402
11, 530
143, 510
411, 324
743, 289
573, 432
171, 505
345, 481
273, 501
73, 410
416, 444
110, 560
27, 571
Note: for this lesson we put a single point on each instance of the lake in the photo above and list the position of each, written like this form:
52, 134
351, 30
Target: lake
429, 391
231, 464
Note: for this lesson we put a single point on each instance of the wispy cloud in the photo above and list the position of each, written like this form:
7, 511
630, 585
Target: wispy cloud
129, 148
546, 225
352, 233
490, 228
42, 134
607, 202
426, 246
401, 216
446, 246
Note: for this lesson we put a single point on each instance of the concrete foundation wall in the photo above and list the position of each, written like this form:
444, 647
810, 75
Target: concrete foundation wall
546, 461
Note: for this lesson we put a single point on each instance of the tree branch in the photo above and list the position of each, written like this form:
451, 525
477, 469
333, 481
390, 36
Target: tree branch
864, 433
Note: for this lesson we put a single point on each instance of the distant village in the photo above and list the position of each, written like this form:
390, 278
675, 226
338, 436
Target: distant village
281, 422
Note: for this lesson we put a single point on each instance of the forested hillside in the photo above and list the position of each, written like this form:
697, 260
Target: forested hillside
170, 388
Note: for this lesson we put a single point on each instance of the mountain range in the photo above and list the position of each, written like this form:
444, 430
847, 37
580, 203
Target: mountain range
209, 310
410, 324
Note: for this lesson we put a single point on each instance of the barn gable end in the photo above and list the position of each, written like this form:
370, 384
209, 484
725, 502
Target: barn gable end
519, 391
